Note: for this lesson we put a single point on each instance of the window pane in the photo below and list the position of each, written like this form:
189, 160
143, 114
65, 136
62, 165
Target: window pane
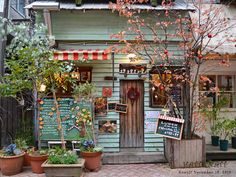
14, 4
21, 6
158, 96
207, 82
225, 83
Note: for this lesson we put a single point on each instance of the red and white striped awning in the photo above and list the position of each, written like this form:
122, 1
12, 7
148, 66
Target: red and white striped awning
173, 119
82, 55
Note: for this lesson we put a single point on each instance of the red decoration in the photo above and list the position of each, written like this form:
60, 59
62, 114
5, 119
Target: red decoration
209, 35
39, 100
107, 92
133, 94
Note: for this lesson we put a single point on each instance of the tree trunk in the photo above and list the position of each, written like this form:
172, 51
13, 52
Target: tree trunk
186, 106
59, 124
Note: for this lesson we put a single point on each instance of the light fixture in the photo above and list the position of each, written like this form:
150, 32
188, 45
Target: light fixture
132, 57
42, 88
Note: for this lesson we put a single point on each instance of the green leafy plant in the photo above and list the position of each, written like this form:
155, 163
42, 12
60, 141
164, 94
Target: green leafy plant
226, 128
85, 91
39, 152
212, 113
21, 143
62, 156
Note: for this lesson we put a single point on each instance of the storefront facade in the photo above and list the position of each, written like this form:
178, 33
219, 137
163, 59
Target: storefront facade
84, 33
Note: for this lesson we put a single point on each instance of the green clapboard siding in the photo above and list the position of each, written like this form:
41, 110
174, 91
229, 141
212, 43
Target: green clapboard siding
97, 25
110, 142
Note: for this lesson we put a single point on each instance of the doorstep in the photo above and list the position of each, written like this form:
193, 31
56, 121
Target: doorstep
133, 157
214, 153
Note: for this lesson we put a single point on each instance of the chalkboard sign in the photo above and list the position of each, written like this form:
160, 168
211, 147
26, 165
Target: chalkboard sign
170, 127
111, 106
48, 122
122, 108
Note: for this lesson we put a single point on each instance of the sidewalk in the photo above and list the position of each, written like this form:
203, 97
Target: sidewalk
217, 169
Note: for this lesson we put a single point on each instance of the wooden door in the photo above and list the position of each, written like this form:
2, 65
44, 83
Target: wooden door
132, 123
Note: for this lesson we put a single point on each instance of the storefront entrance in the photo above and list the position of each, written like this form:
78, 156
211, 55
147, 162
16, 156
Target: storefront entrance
132, 122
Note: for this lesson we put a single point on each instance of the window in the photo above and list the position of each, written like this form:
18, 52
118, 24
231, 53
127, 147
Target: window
18, 5
158, 93
226, 85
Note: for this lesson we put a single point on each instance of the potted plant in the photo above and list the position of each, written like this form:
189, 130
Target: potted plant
233, 138
21, 144
36, 160
63, 163
225, 128
212, 113
91, 154
11, 160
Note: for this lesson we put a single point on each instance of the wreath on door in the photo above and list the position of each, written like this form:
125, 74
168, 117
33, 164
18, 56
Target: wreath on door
133, 94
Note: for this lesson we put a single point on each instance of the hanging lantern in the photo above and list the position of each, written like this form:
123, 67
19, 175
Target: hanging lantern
42, 88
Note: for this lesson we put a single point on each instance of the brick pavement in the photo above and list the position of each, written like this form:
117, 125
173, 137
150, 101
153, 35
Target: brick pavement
153, 170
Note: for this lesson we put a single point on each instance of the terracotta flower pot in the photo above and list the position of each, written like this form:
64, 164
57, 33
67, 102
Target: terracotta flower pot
11, 165
26, 159
92, 160
36, 162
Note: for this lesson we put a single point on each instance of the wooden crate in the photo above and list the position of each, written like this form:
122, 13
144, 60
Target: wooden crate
185, 153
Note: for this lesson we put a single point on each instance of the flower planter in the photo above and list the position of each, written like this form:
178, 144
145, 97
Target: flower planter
26, 159
11, 165
233, 142
224, 145
215, 140
64, 170
185, 153
92, 160
36, 162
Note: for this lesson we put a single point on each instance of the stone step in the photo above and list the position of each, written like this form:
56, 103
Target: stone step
133, 157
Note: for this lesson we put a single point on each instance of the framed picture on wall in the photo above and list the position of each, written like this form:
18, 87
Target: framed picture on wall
121, 108
100, 106
107, 126
107, 92
111, 106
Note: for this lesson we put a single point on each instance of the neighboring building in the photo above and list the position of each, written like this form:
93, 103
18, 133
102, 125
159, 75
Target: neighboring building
10, 112
220, 67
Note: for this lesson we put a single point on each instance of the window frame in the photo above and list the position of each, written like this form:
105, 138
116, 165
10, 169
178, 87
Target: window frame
152, 71
216, 97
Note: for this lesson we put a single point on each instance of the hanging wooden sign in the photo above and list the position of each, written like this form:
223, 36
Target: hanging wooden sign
169, 127
122, 108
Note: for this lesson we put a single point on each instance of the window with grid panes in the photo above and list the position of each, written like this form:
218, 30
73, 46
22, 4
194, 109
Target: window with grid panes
227, 89
158, 97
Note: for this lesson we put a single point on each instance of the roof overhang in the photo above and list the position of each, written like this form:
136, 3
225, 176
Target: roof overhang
52, 5
41, 5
